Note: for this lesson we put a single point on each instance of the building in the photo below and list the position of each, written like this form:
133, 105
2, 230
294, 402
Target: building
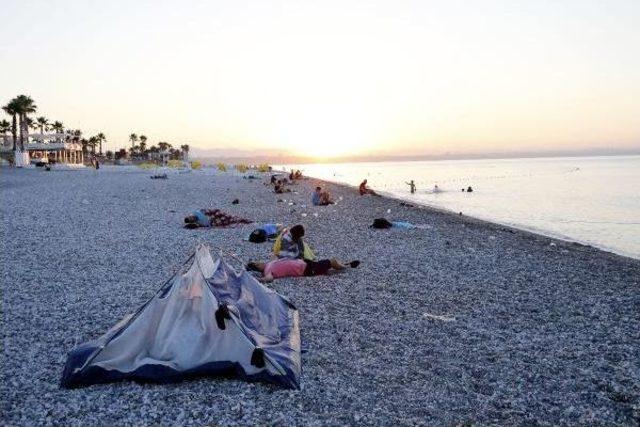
48, 148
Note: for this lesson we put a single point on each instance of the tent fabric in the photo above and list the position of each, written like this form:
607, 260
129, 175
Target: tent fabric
210, 320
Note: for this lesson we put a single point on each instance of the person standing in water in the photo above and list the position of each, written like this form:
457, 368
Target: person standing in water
412, 186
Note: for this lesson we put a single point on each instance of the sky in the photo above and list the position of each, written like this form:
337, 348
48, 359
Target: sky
332, 78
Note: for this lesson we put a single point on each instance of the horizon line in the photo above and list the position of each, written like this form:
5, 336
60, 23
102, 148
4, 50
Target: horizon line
291, 158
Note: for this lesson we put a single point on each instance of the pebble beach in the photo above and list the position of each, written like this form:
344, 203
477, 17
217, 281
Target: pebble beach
460, 322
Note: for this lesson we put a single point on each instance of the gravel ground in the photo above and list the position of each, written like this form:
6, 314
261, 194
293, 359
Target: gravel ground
535, 330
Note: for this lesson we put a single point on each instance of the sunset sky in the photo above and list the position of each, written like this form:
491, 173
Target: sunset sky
333, 78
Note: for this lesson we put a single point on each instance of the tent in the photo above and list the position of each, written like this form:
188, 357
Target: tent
209, 320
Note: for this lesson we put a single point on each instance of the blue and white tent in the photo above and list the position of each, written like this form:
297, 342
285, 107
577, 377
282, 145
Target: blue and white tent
208, 320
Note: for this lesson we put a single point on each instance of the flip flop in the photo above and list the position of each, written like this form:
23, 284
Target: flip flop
354, 264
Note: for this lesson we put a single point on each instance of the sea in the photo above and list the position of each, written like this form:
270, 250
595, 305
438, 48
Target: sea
590, 200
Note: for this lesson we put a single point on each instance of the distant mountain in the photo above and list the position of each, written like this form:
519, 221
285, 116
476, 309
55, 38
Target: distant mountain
233, 152
231, 156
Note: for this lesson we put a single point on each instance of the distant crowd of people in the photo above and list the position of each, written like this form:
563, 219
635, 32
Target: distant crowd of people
364, 189
280, 182
292, 256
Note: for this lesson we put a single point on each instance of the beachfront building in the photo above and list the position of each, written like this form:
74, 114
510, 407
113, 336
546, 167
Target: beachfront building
48, 148
161, 157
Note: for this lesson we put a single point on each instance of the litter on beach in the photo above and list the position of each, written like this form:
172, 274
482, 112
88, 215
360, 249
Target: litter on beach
438, 317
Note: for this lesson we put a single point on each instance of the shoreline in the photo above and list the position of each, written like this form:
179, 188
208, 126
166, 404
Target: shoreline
550, 229
489, 222
462, 322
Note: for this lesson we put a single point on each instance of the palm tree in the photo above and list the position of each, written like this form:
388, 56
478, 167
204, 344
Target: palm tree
25, 106
31, 124
5, 127
185, 152
163, 146
133, 138
13, 109
85, 145
58, 127
42, 123
93, 141
101, 139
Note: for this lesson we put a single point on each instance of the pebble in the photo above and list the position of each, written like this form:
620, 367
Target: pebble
549, 339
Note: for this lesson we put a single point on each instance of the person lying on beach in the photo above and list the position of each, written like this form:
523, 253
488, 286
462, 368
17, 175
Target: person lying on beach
321, 198
290, 244
383, 223
412, 186
265, 232
297, 267
363, 189
212, 218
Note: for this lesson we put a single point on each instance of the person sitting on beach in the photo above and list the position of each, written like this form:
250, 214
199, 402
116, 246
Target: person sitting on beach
297, 267
289, 244
274, 179
363, 189
212, 218
325, 199
412, 186
469, 190
315, 197
279, 188
297, 175
321, 198
436, 189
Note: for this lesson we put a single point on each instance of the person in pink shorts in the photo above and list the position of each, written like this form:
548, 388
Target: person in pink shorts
287, 267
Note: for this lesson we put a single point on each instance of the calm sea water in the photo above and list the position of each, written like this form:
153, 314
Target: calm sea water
592, 200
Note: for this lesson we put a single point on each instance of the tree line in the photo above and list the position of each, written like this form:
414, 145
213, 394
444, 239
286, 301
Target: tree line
22, 106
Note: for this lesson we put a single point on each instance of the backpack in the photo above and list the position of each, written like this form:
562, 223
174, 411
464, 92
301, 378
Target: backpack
381, 223
258, 236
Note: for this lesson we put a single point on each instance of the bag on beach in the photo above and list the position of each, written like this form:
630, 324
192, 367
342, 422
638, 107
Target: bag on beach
258, 236
381, 223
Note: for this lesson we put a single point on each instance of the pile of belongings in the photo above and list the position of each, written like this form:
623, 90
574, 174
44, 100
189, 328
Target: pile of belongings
212, 218
206, 320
